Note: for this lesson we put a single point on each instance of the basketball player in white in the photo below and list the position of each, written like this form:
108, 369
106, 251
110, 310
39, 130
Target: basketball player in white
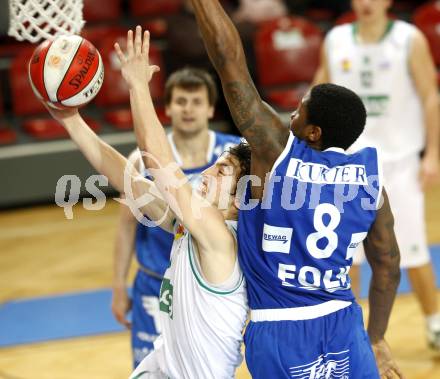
388, 64
190, 97
203, 296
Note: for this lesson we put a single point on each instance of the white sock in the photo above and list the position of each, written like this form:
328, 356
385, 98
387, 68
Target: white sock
433, 321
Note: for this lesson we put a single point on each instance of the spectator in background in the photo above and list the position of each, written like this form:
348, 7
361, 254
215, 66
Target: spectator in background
389, 65
185, 46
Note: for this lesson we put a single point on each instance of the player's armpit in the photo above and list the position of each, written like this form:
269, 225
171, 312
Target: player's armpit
383, 255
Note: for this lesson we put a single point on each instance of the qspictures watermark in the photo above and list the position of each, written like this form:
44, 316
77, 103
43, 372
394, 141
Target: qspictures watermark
302, 186
68, 190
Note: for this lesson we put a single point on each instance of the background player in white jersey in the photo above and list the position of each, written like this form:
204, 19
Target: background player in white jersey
190, 98
304, 320
203, 298
388, 64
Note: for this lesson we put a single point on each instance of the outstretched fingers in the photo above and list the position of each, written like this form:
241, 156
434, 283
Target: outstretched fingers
121, 56
138, 41
146, 43
130, 48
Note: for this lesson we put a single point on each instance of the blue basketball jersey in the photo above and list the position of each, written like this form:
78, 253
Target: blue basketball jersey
153, 245
296, 245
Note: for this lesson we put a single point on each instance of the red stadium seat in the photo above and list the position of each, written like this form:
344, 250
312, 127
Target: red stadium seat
427, 19
24, 101
44, 129
48, 129
102, 10
7, 135
122, 119
96, 34
149, 8
287, 52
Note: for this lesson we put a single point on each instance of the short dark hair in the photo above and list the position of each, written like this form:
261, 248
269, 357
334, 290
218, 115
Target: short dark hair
242, 152
339, 112
191, 79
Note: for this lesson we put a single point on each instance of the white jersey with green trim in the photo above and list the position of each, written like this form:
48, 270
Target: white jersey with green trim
380, 74
202, 324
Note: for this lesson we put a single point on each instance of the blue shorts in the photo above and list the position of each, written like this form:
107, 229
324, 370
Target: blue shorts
145, 315
332, 346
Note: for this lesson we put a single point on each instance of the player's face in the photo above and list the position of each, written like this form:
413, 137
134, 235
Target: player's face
219, 182
370, 10
298, 119
189, 110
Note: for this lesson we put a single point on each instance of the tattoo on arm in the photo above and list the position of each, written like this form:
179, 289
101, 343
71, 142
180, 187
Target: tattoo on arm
257, 122
383, 255
240, 97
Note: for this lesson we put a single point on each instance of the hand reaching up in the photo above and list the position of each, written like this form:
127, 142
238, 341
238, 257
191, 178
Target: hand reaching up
135, 65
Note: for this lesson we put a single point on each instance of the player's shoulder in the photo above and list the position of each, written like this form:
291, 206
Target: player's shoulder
368, 155
402, 32
410, 34
340, 32
401, 25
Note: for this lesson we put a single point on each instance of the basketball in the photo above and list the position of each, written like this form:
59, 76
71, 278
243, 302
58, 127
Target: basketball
67, 72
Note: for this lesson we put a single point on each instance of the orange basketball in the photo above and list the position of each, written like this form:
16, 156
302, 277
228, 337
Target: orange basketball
66, 72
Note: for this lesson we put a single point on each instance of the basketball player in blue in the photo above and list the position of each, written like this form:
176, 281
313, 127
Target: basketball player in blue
190, 98
299, 225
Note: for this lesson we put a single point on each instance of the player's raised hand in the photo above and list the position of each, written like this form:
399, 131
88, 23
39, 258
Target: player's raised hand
135, 63
385, 363
61, 115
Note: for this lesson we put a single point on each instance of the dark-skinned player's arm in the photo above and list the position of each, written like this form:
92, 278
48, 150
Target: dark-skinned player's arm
383, 255
255, 119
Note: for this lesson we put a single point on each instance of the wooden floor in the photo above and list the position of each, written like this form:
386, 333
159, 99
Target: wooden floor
42, 253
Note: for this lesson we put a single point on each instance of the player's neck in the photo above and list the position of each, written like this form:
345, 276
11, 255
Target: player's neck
374, 31
192, 147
